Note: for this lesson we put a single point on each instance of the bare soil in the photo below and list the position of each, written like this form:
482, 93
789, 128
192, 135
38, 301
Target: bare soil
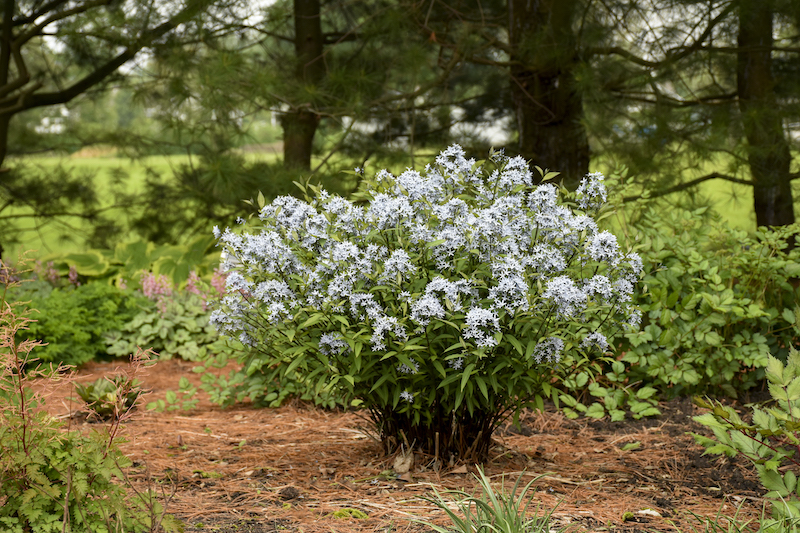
291, 469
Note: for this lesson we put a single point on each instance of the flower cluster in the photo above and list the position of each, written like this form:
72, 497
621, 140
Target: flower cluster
47, 272
72, 276
160, 288
461, 268
157, 287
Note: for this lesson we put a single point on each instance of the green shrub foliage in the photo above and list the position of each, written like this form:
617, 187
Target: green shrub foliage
770, 440
54, 480
441, 301
719, 302
73, 320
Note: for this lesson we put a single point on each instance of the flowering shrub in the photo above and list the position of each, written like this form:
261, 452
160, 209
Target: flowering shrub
442, 302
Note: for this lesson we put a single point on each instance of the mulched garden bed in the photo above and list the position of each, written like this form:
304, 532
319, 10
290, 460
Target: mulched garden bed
302, 469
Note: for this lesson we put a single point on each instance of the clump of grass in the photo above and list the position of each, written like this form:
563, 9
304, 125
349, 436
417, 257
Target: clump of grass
492, 511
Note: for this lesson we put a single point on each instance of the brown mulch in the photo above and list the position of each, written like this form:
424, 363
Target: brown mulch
291, 469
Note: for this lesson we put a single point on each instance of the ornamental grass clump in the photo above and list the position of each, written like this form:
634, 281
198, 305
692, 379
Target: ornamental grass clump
441, 301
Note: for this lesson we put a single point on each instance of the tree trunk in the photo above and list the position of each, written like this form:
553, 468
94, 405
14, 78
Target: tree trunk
299, 128
300, 123
6, 41
768, 151
548, 104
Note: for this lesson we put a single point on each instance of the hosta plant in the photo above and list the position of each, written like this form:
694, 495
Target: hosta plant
175, 324
441, 301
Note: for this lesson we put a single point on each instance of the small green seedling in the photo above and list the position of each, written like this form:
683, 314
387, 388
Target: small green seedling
208, 475
631, 446
110, 397
348, 513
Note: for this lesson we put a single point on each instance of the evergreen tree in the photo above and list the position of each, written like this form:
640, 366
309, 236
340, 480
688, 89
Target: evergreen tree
687, 81
52, 52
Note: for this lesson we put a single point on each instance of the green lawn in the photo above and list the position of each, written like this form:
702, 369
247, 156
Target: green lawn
732, 201
48, 237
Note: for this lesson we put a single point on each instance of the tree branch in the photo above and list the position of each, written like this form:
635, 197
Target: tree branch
339, 37
21, 21
24, 37
660, 98
23, 76
671, 56
740, 49
688, 185
6, 40
102, 72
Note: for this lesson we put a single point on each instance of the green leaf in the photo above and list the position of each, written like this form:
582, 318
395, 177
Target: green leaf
514, 342
568, 400
482, 387
617, 415
596, 410
466, 375
645, 393
91, 263
313, 320
790, 481
773, 481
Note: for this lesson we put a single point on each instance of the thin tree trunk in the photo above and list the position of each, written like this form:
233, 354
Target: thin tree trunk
768, 154
300, 124
299, 128
548, 104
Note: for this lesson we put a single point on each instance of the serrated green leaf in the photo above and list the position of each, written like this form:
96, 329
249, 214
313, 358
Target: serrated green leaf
645, 393
790, 481
773, 481
596, 410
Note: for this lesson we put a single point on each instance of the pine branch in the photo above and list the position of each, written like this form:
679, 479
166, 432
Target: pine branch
340, 37
672, 55
47, 8
690, 184
111, 66
671, 101
55, 17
